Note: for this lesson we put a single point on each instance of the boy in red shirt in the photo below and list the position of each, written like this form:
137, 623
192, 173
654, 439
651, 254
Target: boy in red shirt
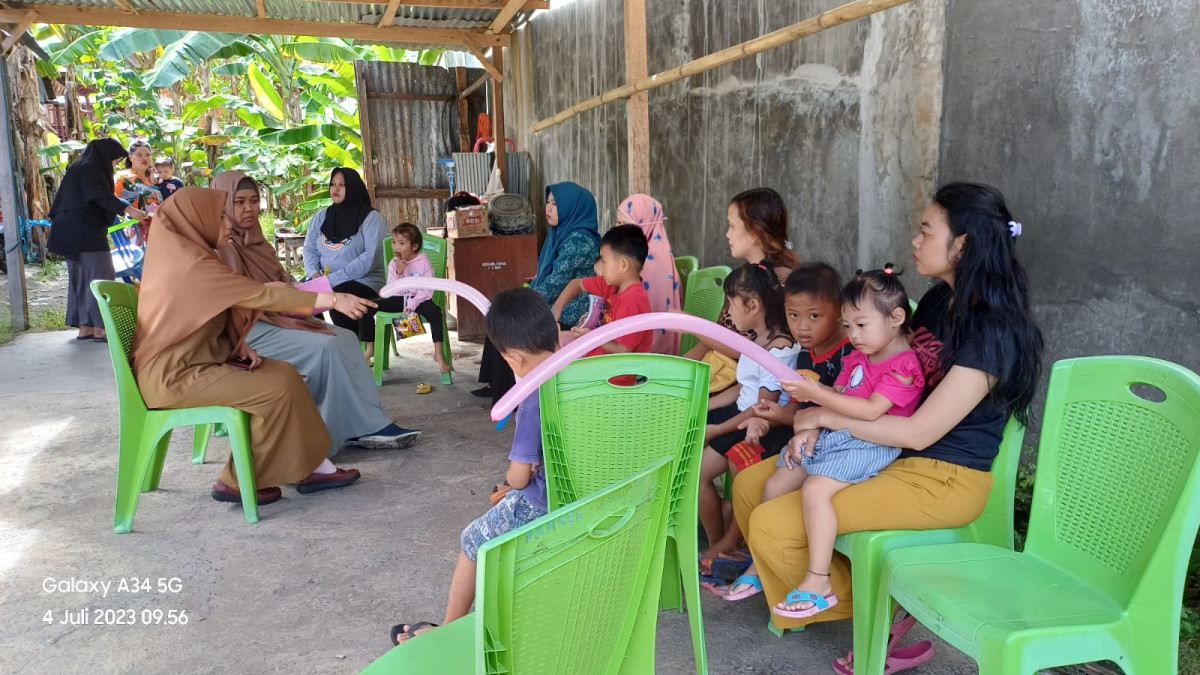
622, 253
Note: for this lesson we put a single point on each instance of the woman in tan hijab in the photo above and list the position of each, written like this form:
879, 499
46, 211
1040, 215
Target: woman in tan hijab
189, 312
327, 357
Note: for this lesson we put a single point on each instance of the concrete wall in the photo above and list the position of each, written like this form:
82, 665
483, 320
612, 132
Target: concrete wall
1086, 114
844, 124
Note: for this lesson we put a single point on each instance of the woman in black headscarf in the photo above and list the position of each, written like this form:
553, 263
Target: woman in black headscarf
345, 243
83, 210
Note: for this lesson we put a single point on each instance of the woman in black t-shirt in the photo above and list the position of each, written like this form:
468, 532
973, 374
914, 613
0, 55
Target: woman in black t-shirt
981, 352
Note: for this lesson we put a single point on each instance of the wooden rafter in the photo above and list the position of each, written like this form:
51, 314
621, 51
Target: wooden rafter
15, 33
477, 51
216, 23
389, 14
510, 10
262, 8
126, 6
528, 5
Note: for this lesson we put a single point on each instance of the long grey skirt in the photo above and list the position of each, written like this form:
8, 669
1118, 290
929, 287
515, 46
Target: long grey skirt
336, 373
82, 308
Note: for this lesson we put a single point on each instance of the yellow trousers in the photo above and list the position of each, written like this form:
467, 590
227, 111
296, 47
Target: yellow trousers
911, 494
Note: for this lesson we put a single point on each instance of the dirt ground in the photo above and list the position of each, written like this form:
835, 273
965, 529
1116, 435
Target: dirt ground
311, 588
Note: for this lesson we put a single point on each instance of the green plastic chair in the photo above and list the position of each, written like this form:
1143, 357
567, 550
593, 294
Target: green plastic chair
548, 598
685, 265
705, 298
595, 433
1115, 512
144, 433
866, 550
435, 248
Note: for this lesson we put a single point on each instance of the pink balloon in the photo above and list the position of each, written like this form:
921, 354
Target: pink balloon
458, 288
682, 323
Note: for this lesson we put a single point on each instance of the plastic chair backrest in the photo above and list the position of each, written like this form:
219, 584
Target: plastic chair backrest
995, 524
548, 595
1117, 497
595, 433
118, 307
437, 250
685, 265
705, 297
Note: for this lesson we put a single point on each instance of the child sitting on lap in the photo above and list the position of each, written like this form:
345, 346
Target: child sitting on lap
623, 251
522, 329
411, 262
883, 377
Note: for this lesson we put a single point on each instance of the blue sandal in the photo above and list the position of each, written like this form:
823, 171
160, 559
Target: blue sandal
750, 580
819, 604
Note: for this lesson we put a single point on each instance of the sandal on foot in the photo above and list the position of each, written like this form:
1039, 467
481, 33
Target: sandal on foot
819, 604
732, 565
750, 580
706, 571
898, 659
714, 588
896, 633
409, 630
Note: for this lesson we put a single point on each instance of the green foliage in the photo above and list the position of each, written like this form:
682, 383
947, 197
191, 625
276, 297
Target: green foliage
284, 110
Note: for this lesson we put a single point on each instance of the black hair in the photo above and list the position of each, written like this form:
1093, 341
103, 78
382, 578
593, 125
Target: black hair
754, 281
628, 241
133, 147
164, 161
520, 318
246, 183
817, 279
410, 232
883, 289
990, 306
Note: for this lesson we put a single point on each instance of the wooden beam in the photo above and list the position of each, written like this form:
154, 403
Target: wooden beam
126, 6
510, 10
18, 301
364, 125
637, 108
474, 86
498, 117
464, 110
412, 193
17, 31
528, 6
477, 51
405, 96
389, 14
262, 8
216, 23
834, 17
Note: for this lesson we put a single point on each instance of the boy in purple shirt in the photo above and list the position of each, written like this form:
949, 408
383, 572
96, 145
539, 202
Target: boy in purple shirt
525, 332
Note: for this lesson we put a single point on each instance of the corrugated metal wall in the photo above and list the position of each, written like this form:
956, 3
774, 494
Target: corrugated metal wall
409, 116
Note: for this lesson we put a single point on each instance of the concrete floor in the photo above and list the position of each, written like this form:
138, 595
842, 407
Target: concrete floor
311, 588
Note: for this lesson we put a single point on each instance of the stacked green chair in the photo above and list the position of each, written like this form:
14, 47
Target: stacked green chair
435, 248
595, 433
549, 597
1114, 517
684, 266
144, 433
866, 550
705, 298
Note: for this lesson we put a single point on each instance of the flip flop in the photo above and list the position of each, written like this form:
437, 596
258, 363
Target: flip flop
729, 568
898, 659
706, 572
409, 629
751, 580
897, 632
819, 604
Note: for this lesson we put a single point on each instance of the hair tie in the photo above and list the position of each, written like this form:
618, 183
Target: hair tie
889, 269
786, 244
1014, 228
762, 267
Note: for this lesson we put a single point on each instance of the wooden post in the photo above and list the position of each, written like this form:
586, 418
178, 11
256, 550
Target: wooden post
834, 17
498, 117
18, 302
364, 125
464, 111
637, 108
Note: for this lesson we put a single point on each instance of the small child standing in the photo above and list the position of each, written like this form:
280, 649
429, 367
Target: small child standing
522, 329
623, 251
882, 377
411, 262
167, 182
755, 304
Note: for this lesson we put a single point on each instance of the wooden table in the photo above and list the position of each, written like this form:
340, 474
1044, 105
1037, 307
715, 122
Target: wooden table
292, 254
490, 265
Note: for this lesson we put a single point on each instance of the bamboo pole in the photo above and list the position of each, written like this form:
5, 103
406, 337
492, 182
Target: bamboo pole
637, 108
834, 17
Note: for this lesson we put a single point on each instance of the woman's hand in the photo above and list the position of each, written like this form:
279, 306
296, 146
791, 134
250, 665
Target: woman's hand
134, 213
802, 445
352, 305
580, 331
808, 418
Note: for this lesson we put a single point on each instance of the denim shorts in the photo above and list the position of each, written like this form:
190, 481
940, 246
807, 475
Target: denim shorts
511, 512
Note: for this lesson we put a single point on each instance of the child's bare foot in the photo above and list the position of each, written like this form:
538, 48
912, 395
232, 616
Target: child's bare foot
403, 632
744, 586
440, 360
813, 595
